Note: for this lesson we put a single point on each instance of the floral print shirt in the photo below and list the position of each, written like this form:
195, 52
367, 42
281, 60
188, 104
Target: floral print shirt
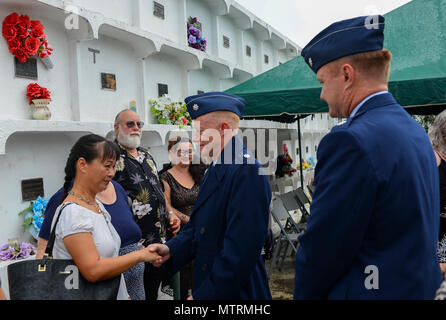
139, 178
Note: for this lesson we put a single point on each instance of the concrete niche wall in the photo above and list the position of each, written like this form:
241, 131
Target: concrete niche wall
115, 57
14, 104
28, 156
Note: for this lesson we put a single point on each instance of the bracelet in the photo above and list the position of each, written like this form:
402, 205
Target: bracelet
169, 212
183, 216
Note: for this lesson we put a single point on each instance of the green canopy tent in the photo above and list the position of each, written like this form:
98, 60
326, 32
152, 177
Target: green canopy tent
415, 34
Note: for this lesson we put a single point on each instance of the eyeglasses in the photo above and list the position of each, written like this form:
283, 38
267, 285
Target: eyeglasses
131, 124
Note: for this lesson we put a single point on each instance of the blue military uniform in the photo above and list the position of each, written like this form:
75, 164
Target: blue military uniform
228, 226
374, 220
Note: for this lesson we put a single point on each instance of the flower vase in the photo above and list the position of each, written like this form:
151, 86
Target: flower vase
42, 112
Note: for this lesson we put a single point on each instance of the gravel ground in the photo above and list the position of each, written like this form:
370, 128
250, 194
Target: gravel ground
281, 282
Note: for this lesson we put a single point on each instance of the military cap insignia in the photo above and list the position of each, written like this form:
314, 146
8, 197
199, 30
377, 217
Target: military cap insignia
310, 61
195, 107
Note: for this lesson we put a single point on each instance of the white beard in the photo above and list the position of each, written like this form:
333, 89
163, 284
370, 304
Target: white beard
128, 141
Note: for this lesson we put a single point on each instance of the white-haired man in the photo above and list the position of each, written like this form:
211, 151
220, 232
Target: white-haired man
137, 173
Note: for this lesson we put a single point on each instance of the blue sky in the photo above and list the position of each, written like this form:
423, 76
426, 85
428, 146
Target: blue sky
301, 20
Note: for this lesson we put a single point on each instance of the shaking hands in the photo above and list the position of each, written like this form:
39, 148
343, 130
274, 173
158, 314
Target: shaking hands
162, 251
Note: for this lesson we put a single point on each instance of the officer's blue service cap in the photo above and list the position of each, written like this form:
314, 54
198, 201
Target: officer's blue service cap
344, 38
203, 103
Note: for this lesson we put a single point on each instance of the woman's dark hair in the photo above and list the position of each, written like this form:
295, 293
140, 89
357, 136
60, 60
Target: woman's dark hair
87, 147
196, 170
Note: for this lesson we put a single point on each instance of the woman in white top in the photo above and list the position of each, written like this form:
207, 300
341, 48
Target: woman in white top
84, 232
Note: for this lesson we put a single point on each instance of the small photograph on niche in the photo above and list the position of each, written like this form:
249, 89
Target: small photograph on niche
108, 81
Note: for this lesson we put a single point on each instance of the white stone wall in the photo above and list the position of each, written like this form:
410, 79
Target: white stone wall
250, 63
269, 51
203, 80
228, 29
171, 27
142, 51
99, 104
117, 9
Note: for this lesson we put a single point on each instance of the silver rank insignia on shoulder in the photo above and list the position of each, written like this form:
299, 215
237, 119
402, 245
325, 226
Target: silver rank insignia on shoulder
195, 107
310, 61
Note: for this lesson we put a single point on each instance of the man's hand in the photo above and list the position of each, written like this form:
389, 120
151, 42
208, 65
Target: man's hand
190, 298
162, 250
175, 223
443, 269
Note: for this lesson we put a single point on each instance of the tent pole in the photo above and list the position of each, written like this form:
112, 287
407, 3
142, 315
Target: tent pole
300, 153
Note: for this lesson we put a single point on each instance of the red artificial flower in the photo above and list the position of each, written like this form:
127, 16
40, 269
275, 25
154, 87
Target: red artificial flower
172, 116
184, 121
14, 44
34, 91
46, 49
38, 33
21, 54
32, 45
24, 22
9, 32
36, 24
11, 20
22, 32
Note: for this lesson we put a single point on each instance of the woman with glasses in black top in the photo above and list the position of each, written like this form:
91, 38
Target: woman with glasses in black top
181, 184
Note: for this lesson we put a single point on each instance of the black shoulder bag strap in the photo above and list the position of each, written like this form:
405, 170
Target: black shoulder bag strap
52, 239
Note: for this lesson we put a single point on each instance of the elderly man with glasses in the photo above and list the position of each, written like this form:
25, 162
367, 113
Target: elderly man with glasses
137, 173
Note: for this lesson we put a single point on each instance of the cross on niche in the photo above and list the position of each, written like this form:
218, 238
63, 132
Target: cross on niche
94, 54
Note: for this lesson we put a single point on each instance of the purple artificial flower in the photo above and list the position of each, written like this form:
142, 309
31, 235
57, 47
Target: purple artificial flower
194, 20
26, 249
194, 31
5, 253
192, 39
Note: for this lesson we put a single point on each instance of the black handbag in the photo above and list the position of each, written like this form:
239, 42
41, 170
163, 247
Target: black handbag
56, 279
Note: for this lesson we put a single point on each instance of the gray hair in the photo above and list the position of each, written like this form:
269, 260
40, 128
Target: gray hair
437, 133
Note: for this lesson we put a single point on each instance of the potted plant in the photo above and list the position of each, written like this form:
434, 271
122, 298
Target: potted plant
194, 36
40, 97
168, 112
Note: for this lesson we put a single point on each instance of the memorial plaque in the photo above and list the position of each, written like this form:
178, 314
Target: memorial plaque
158, 10
108, 81
31, 189
26, 69
162, 89
225, 42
